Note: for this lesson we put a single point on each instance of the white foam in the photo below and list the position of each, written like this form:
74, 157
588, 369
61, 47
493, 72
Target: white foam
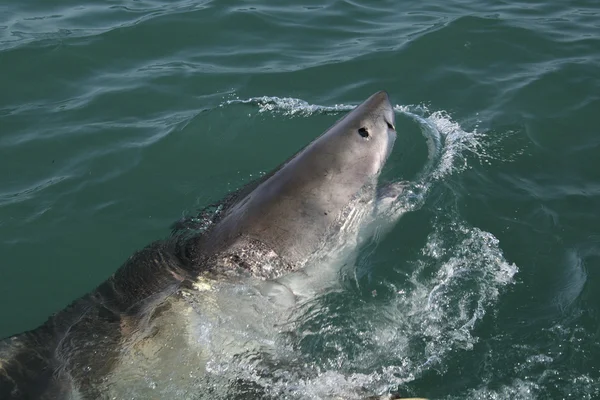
448, 142
455, 282
288, 106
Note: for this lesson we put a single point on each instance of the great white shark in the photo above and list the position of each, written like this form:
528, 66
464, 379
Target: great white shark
277, 233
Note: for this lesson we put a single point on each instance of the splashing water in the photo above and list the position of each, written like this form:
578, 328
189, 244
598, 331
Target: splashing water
289, 106
381, 347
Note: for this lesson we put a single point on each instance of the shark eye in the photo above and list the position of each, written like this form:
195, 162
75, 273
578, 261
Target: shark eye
363, 132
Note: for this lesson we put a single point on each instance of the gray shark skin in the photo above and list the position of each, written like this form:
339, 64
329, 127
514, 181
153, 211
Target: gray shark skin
266, 230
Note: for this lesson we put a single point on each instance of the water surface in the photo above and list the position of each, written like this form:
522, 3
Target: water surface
117, 118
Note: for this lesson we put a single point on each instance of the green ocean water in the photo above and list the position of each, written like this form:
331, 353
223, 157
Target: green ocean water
118, 118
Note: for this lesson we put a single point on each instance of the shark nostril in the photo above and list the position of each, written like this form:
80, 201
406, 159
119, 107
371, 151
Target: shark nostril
390, 125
